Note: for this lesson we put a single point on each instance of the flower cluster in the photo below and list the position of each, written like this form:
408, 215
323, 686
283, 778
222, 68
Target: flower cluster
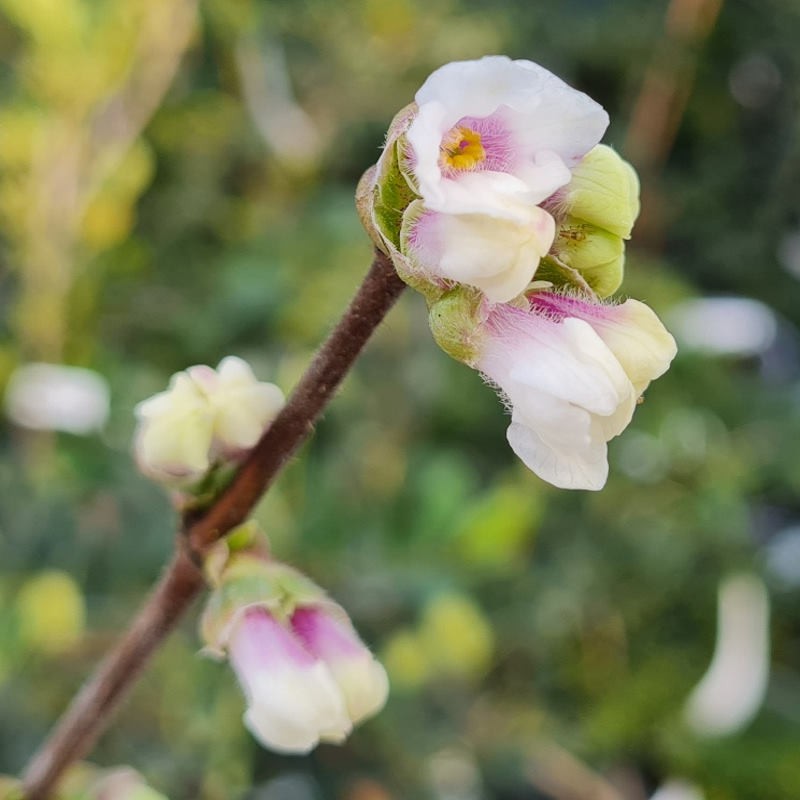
206, 418
494, 198
306, 674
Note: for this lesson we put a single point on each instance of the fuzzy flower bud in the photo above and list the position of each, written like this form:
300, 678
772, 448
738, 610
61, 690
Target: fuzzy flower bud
571, 370
305, 673
206, 417
458, 194
595, 213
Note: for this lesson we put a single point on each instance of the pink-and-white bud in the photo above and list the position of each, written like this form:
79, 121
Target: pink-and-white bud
293, 701
571, 371
326, 632
306, 674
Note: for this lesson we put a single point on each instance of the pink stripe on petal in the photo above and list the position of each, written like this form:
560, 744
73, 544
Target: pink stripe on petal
558, 306
325, 635
260, 642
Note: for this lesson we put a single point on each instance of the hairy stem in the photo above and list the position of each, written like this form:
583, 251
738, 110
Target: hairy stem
90, 711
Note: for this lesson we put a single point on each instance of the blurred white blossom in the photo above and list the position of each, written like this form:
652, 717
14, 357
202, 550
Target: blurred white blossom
57, 398
205, 416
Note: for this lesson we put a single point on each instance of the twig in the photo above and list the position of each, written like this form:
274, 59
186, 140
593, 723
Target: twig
90, 711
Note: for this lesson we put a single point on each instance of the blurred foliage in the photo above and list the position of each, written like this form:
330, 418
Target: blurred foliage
176, 185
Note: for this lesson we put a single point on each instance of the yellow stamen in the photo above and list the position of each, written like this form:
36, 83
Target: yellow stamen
462, 149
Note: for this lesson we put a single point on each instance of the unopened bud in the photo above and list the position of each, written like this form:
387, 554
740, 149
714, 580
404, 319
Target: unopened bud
206, 417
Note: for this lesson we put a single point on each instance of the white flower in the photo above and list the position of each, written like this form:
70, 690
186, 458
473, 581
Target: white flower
492, 139
327, 633
494, 128
293, 700
204, 416
57, 398
571, 371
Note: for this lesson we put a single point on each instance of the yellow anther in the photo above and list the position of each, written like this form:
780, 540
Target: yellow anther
462, 149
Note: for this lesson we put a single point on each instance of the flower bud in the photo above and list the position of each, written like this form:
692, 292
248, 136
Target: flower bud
599, 256
306, 675
604, 191
206, 417
571, 371
595, 212
455, 324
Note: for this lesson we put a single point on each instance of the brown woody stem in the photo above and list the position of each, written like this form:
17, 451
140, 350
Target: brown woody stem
90, 711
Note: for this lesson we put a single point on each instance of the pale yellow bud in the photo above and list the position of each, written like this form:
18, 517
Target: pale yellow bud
604, 191
597, 254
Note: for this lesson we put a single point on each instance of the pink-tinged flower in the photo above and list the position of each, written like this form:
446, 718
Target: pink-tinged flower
293, 699
571, 371
491, 140
326, 632
495, 128
306, 674
631, 330
205, 416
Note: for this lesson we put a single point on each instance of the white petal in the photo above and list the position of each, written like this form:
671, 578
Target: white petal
732, 690
244, 413
557, 441
497, 256
327, 632
554, 116
290, 711
363, 683
551, 125
569, 361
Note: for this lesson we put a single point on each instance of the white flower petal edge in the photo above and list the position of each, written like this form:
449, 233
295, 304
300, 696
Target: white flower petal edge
571, 371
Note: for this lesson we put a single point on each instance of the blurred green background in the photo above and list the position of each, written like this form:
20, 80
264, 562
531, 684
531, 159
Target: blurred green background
177, 186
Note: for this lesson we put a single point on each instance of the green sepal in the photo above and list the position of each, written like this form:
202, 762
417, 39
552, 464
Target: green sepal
250, 580
392, 197
554, 271
383, 193
455, 323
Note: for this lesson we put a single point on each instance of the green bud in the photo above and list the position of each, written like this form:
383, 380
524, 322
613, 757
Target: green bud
455, 324
604, 191
599, 256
